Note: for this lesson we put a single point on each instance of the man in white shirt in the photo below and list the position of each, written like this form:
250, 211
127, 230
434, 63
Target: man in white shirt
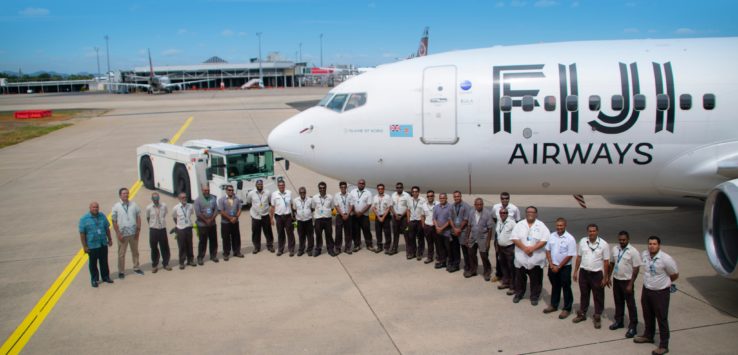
126, 217
303, 209
429, 230
530, 236
660, 270
322, 207
259, 201
156, 214
415, 223
561, 249
591, 270
361, 202
281, 215
400, 202
514, 214
182, 215
342, 201
382, 219
625, 263
505, 250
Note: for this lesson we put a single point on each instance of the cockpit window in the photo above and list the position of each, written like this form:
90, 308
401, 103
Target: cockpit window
337, 102
356, 100
324, 101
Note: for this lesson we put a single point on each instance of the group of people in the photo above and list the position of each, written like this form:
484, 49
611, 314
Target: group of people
441, 231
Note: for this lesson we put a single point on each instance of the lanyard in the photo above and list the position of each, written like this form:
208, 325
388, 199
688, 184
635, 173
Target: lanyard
457, 208
359, 192
303, 203
284, 199
620, 255
597, 245
322, 201
652, 266
157, 217
343, 205
184, 213
415, 205
380, 199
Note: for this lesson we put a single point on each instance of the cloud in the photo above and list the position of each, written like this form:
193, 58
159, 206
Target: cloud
631, 30
227, 32
34, 12
242, 34
685, 31
182, 31
171, 52
545, 3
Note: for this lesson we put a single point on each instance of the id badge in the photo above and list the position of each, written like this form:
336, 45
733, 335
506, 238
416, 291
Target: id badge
616, 268
209, 210
457, 221
99, 231
233, 213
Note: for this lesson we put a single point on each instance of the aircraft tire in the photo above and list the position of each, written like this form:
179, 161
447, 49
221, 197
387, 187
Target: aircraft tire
147, 172
181, 181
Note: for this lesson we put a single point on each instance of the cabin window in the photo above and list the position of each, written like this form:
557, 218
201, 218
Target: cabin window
685, 101
549, 103
528, 103
639, 102
356, 100
337, 102
708, 101
572, 103
506, 104
662, 102
594, 103
617, 102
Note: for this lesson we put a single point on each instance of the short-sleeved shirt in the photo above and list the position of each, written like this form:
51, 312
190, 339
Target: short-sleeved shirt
428, 211
593, 254
94, 228
504, 231
125, 216
441, 215
460, 212
323, 206
657, 270
157, 216
480, 224
342, 203
561, 246
230, 207
416, 208
207, 207
624, 260
303, 208
530, 235
382, 203
183, 215
360, 199
512, 211
400, 203
259, 203
282, 202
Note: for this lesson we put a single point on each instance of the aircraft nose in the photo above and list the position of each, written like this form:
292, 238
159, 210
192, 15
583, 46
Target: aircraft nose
285, 138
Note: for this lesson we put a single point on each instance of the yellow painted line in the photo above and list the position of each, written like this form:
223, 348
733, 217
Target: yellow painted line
23, 333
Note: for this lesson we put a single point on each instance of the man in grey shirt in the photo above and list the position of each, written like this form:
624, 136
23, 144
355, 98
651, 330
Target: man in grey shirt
442, 223
156, 214
230, 210
459, 220
206, 208
478, 238
126, 217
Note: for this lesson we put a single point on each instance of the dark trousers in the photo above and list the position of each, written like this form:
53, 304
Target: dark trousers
536, 282
429, 232
443, 246
184, 244
259, 225
305, 231
285, 230
323, 227
383, 228
623, 298
498, 261
655, 305
561, 281
471, 263
343, 232
231, 235
591, 282
207, 234
398, 227
360, 224
159, 245
454, 252
507, 264
415, 242
99, 256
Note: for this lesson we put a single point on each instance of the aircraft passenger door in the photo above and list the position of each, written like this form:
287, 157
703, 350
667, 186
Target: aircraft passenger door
439, 105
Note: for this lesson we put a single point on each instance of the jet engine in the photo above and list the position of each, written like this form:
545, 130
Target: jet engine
720, 228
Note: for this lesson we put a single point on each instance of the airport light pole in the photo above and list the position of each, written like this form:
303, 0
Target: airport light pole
107, 50
300, 58
97, 54
321, 49
261, 71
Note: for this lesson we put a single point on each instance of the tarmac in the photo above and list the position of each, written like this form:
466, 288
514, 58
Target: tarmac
363, 303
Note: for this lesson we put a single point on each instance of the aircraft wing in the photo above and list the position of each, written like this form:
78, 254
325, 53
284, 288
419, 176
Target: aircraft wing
179, 84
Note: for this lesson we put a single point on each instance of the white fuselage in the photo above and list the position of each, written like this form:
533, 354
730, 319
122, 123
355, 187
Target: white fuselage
440, 122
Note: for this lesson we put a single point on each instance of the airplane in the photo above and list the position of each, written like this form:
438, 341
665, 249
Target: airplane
624, 117
156, 83
422, 46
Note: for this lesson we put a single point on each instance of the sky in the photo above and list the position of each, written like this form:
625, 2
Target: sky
61, 36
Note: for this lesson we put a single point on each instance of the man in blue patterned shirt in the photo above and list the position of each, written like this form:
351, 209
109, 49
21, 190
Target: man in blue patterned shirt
94, 233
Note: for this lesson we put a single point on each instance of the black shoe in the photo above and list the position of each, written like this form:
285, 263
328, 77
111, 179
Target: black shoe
630, 333
393, 251
292, 253
534, 302
140, 272
453, 269
316, 253
332, 253
121, 275
356, 248
239, 255
95, 283
257, 250
409, 256
199, 261
378, 250
516, 299
271, 249
181, 267
467, 274
215, 260
109, 281
225, 257
386, 251
419, 257
279, 253
440, 265
300, 253
487, 278
616, 325
348, 251
428, 261
192, 263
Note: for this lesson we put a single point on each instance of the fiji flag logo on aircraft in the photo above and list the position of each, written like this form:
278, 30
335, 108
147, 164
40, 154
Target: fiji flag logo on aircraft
401, 130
